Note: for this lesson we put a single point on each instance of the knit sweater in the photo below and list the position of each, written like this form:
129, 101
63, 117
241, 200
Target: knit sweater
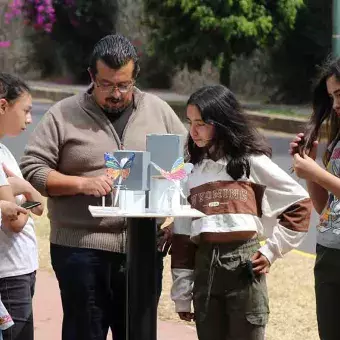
72, 138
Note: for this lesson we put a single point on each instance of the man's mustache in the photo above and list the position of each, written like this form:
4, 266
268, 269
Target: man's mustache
113, 100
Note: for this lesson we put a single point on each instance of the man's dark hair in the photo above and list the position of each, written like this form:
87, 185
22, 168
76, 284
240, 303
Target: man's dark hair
115, 51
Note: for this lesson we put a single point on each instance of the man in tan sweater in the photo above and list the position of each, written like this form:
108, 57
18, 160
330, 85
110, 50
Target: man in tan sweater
64, 160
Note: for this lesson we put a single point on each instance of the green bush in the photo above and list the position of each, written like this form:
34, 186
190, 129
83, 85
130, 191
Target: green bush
190, 32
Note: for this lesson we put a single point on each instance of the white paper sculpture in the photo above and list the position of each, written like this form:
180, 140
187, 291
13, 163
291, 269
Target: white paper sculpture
166, 188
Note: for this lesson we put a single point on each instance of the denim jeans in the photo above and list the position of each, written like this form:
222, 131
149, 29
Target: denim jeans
16, 294
93, 292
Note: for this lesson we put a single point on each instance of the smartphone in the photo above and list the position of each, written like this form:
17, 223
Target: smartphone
30, 204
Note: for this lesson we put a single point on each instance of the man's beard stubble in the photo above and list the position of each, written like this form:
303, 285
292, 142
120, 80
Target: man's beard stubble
115, 110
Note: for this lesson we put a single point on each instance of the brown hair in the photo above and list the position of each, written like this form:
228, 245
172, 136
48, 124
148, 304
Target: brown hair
323, 111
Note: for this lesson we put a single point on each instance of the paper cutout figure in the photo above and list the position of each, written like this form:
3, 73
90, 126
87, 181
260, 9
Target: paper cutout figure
179, 172
117, 170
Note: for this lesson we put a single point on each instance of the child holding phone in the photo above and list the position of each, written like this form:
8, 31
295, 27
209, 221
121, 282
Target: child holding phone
18, 245
323, 184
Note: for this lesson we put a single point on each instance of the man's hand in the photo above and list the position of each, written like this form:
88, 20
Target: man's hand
10, 211
187, 316
97, 186
260, 263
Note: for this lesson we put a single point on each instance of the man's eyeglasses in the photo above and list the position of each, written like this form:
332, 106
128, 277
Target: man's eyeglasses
110, 88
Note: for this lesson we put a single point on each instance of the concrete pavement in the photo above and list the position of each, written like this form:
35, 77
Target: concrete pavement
48, 314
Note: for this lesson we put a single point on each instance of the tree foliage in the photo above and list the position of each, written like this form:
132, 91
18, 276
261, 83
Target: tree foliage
64, 32
188, 32
78, 27
294, 60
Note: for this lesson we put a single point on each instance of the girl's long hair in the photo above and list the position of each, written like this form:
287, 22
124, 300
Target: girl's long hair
323, 111
235, 138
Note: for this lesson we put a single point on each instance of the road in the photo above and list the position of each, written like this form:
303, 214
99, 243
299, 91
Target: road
279, 143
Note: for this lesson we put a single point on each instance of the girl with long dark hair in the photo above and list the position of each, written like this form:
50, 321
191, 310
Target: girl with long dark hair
324, 189
217, 260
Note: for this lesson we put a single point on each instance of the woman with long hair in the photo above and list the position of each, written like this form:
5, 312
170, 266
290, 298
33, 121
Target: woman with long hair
217, 260
18, 245
324, 189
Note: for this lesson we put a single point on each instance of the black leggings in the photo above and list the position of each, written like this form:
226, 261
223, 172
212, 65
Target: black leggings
327, 291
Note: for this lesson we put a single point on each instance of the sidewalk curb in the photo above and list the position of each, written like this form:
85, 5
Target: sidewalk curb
272, 122
277, 123
303, 253
54, 95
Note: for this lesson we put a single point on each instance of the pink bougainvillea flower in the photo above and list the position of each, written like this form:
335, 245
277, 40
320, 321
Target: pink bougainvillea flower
38, 13
40, 19
8, 16
5, 44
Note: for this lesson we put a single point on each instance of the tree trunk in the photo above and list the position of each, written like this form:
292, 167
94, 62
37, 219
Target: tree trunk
225, 72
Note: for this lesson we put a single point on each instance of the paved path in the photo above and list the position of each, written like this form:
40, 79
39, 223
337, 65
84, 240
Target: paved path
48, 314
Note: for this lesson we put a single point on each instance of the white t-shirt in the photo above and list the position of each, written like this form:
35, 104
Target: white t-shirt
18, 251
